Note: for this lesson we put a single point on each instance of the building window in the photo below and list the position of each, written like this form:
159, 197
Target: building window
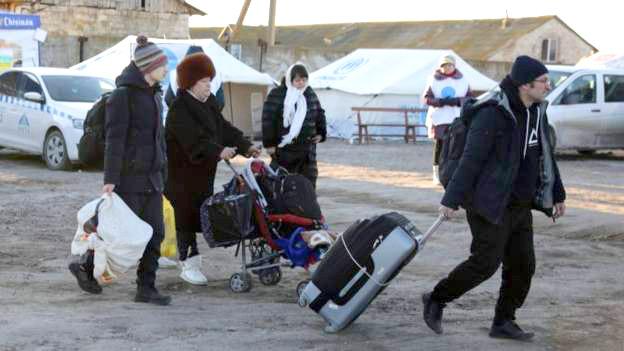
549, 50
143, 4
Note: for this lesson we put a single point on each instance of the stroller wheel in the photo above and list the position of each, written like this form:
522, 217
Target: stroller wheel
240, 282
302, 284
270, 276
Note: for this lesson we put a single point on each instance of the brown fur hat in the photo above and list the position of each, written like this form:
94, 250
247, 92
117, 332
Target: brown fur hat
193, 68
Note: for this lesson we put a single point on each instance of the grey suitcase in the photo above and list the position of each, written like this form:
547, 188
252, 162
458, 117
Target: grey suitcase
362, 262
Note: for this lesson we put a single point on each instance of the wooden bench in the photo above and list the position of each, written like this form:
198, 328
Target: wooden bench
410, 128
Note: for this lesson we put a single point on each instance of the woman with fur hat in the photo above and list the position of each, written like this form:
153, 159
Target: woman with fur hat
293, 122
198, 137
446, 91
216, 85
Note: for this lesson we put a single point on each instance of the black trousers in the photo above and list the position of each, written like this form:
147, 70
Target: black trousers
187, 244
148, 207
301, 161
511, 244
437, 150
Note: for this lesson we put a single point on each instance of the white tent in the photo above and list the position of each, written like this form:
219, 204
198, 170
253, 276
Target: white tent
392, 78
602, 60
244, 87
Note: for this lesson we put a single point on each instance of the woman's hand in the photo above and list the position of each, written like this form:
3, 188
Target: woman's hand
270, 150
108, 189
316, 139
253, 151
228, 153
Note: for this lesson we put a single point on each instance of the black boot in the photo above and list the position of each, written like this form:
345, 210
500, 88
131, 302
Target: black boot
508, 329
149, 294
82, 269
432, 313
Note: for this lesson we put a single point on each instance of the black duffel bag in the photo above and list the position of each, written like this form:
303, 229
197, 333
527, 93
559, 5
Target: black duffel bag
290, 194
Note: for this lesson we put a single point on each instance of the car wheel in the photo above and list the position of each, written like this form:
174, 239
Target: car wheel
55, 152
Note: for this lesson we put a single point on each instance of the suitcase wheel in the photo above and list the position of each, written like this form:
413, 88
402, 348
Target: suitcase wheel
240, 282
303, 302
300, 287
270, 276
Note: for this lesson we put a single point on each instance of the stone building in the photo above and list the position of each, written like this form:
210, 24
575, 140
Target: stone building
489, 45
79, 29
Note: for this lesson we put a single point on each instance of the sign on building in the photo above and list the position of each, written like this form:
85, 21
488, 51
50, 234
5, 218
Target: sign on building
18, 40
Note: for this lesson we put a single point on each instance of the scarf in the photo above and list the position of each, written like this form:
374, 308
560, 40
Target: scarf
295, 109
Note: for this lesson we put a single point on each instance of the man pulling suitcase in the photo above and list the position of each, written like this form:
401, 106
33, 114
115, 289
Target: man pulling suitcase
507, 169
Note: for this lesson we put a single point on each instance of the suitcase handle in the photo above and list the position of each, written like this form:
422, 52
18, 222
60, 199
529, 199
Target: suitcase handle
421, 241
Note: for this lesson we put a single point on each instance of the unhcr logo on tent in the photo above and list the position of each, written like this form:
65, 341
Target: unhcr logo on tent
350, 66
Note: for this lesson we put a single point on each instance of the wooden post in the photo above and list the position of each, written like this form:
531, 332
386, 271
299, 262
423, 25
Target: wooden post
406, 128
359, 118
241, 18
271, 28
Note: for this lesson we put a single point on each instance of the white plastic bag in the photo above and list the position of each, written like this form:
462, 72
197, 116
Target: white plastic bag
120, 241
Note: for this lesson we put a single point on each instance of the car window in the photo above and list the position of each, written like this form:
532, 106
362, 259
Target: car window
614, 88
76, 88
557, 77
28, 83
8, 84
581, 91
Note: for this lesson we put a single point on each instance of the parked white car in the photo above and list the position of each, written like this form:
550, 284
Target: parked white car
559, 73
42, 111
586, 111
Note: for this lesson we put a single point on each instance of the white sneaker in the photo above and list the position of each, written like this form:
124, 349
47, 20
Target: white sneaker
191, 271
165, 262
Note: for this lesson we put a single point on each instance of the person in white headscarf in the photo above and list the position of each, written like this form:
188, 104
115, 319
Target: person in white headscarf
293, 122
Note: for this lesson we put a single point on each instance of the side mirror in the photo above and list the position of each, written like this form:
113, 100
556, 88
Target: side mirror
34, 97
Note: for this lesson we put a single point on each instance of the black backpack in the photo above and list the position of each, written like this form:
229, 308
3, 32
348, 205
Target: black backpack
290, 193
454, 139
93, 140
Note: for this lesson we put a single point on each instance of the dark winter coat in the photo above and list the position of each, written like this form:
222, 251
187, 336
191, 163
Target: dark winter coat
134, 157
485, 178
196, 133
273, 121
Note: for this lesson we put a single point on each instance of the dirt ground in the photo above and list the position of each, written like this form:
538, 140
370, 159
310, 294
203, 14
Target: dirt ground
576, 301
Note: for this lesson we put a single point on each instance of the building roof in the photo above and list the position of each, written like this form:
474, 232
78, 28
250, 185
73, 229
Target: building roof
192, 9
471, 39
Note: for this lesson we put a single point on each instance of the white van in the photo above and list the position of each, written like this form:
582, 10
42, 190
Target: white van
586, 111
559, 73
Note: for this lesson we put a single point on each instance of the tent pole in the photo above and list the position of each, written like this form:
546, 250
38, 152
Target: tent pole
231, 104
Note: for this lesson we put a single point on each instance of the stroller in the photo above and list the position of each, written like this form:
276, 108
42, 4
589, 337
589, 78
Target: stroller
269, 215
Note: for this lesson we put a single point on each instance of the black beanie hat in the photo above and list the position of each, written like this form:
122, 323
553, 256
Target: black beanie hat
525, 69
